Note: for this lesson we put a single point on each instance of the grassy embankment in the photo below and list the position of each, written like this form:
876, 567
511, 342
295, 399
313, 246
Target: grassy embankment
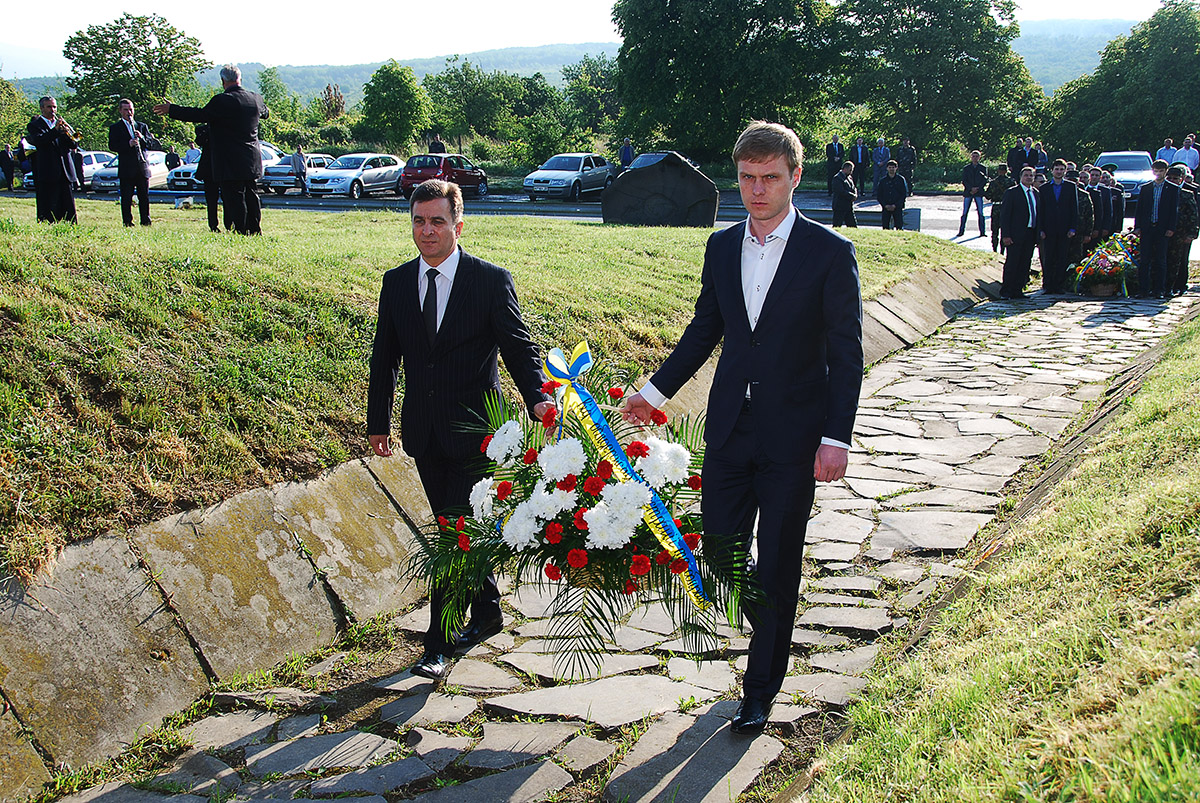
1069, 672
148, 371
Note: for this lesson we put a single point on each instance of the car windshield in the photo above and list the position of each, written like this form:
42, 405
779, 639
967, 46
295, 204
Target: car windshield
347, 163
562, 163
423, 161
1128, 161
647, 159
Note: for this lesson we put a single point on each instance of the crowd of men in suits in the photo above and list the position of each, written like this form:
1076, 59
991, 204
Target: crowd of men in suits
861, 157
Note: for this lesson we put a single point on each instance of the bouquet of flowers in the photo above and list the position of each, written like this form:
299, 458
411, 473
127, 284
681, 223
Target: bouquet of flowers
1114, 261
602, 512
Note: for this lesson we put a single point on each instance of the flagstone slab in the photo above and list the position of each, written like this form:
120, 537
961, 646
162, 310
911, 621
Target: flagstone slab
989, 426
917, 594
632, 639
197, 773
22, 772
542, 666
510, 744
863, 585
927, 530
854, 661
280, 697
480, 677
1049, 425
917, 465
415, 621
912, 389
697, 759
276, 790
970, 481
328, 751
231, 731
530, 784
701, 644
437, 750
1056, 404
297, 726
1022, 446
825, 687
903, 572
874, 489
855, 622
844, 527
534, 600
405, 683
831, 550
715, 675
90, 655
118, 792
947, 450
427, 709
946, 497
819, 598
894, 425
944, 570
996, 465
879, 554
654, 618
583, 752
608, 702
374, 780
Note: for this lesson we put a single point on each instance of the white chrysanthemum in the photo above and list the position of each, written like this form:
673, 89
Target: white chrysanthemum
560, 459
563, 500
667, 463
544, 505
612, 522
506, 443
481, 498
521, 529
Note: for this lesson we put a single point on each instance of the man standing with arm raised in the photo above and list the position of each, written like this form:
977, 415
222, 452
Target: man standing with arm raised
444, 317
782, 293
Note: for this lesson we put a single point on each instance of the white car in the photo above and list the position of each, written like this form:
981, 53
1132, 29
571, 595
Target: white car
105, 179
567, 175
281, 176
92, 161
356, 174
184, 176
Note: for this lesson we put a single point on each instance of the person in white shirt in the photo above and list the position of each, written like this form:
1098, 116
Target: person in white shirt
1189, 154
1167, 151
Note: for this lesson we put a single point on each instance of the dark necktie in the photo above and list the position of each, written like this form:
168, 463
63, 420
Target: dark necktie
430, 307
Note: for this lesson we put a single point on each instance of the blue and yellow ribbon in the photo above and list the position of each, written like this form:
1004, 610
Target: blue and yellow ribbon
577, 400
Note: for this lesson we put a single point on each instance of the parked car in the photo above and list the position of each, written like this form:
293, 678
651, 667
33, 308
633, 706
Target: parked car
357, 174
568, 175
184, 176
105, 179
1133, 170
281, 176
92, 161
453, 167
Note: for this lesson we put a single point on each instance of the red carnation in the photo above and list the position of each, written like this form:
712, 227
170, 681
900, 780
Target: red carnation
550, 386
483, 446
630, 587
554, 532
662, 558
443, 522
678, 524
531, 456
577, 558
640, 565
550, 417
658, 417
637, 449
593, 486
604, 470
616, 393
553, 572
580, 522
692, 540
503, 490
679, 566
567, 483
461, 524
694, 482
464, 542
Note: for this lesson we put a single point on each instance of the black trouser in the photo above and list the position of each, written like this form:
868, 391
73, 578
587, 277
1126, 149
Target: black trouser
243, 211
54, 199
844, 216
896, 214
447, 483
212, 194
832, 169
1016, 265
130, 185
1152, 265
1054, 262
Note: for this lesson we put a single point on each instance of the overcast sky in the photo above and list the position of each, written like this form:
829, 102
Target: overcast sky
363, 31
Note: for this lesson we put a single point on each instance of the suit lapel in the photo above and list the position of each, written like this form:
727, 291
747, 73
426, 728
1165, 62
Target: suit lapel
731, 280
464, 277
795, 253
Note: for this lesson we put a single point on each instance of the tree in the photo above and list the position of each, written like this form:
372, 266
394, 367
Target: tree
329, 105
144, 59
592, 92
394, 104
940, 71
694, 73
283, 103
466, 99
15, 113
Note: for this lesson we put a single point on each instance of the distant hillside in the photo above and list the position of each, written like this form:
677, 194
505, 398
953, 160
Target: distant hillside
308, 82
1057, 51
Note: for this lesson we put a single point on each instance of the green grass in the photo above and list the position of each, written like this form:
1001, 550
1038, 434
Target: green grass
1070, 671
148, 371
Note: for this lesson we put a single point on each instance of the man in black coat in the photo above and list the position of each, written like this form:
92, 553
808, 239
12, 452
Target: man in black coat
844, 196
233, 118
130, 139
781, 294
1154, 223
444, 317
7, 166
860, 154
891, 191
835, 155
1019, 233
53, 165
974, 181
1058, 217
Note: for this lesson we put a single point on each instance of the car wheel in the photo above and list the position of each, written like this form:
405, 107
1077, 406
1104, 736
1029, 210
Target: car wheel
482, 190
607, 183
356, 190
399, 188
532, 197
406, 193
280, 190
575, 188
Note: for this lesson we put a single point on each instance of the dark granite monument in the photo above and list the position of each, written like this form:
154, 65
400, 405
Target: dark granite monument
669, 192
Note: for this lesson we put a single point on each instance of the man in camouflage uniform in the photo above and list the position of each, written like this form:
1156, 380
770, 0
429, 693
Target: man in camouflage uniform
906, 161
1186, 228
995, 193
1079, 245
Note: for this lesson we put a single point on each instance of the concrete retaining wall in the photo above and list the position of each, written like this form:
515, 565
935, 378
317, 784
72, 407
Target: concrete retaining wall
128, 628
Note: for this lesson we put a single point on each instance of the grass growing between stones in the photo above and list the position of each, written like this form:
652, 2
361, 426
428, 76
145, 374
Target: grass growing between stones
144, 372
1069, 671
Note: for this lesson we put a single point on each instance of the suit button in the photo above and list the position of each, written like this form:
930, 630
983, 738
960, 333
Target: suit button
431, 394
429, 365
754, 343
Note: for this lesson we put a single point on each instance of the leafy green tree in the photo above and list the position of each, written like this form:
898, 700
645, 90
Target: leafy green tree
394, 104
467, 100
940, 71
283, 103
692, 74
142, 58
591, 90
329, 105
15, 113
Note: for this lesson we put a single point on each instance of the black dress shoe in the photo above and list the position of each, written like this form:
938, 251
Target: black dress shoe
751, 716
433, 665
479, 631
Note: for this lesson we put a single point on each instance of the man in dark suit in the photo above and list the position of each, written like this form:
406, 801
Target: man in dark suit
1105, 222
130, 140
835, 155
782, 294
1058, 217
860, 154
233, 118
53, 167
891, 192
1015, 159
1018, 231
844, 196
445, 316
1154, 223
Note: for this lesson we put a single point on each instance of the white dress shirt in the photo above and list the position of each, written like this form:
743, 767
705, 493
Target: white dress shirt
445, 281
760, 262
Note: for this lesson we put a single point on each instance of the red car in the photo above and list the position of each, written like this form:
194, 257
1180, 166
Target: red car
446, 166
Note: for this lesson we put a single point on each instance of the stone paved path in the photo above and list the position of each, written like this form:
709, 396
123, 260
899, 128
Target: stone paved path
942, 429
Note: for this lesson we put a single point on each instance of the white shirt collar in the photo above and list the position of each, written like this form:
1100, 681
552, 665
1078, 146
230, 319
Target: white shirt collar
47, 121
782, 231
448, 267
